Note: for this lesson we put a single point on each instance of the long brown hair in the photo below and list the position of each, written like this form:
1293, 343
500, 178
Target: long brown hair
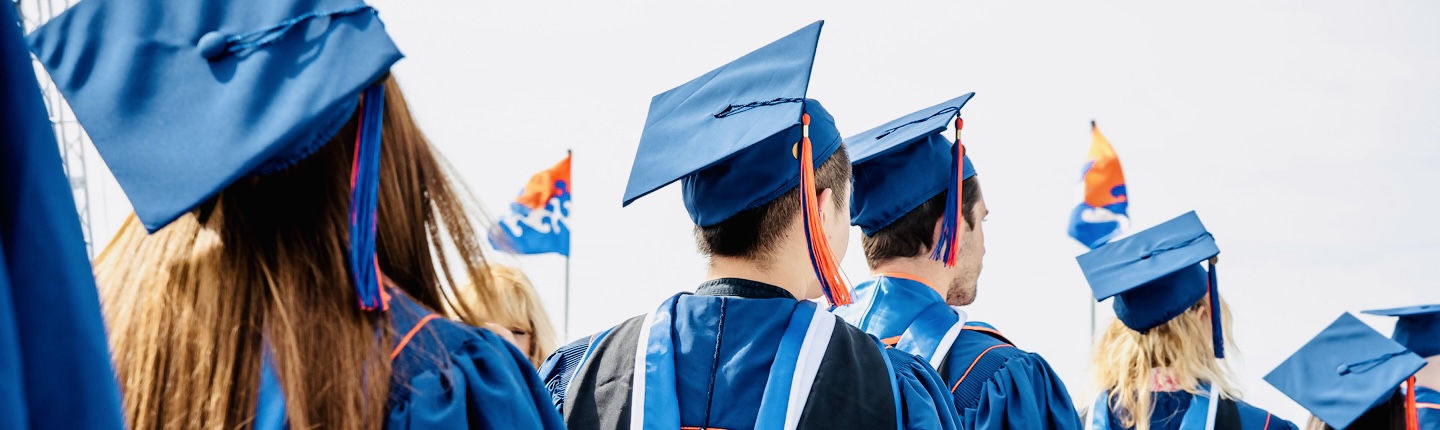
264, 263
1125, 362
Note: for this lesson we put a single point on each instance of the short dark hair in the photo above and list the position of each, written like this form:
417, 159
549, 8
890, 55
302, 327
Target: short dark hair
912, 234
755, 233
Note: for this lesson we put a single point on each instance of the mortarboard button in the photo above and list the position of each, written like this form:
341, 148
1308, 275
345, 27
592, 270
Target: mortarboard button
211, 45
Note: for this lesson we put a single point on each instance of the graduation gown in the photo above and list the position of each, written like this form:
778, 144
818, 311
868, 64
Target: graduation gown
1428, 401
739, 355
994, 384
444, 375
1180, 410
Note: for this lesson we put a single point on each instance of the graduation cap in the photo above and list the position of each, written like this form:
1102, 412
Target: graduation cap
183, 98
1418, 327
1344, 371
1156, 274
741, 136
902, 164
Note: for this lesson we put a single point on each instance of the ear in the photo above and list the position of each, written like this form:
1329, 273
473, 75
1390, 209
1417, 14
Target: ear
827, 204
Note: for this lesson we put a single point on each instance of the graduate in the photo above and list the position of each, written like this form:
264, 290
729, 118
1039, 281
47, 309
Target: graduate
764, 178
287, 280
919, 203
1418, 329
1348, 377
1157, 366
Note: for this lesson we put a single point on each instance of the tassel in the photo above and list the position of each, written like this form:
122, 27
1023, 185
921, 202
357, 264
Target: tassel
826, 268
948, 246
1412, 414
364, 201
1215, 327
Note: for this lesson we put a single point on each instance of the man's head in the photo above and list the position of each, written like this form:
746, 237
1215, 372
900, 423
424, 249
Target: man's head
758, 234
913, 237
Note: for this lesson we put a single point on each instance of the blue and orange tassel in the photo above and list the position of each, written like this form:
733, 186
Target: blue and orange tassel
827, 269
364, 202
948, 247
1215, 315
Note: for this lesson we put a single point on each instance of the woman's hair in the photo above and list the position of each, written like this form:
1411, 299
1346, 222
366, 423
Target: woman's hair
518, 308
262, 266
1388, 415
1125, 363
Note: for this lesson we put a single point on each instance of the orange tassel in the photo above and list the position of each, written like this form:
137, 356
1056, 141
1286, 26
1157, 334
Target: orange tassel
827, 269
1412, 414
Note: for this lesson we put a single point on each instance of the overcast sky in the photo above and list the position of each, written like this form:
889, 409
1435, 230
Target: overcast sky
1304, 133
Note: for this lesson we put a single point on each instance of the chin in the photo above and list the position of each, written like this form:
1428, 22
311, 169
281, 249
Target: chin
960, 296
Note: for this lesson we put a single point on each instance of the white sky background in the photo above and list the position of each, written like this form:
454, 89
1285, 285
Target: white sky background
1303, 132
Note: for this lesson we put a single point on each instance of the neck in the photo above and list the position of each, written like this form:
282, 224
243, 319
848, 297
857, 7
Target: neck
933, 272
797, 277
1429, 376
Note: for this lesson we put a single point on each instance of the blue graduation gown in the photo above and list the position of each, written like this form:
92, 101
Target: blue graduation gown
1177, 410
995, 385
447, 376
724, 342
54, 362
1429, 402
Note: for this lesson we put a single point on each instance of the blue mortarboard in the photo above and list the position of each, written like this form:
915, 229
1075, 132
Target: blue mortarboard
1418, 327
1155, 275
735, 136
1344, 371
904, 163
182, 98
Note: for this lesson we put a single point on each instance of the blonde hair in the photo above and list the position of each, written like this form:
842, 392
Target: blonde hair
192, 308
518, 307
1125, 362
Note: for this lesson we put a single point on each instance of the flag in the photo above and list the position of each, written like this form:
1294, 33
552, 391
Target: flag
1101, 214
54, 360
539, 218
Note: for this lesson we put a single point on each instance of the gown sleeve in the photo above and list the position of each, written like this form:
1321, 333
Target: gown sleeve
925, 401
1023, 393
559, 367
480, 382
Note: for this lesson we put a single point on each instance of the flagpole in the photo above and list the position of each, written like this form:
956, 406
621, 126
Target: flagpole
566, 330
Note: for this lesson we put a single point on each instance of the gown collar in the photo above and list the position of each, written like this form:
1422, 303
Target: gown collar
742, 288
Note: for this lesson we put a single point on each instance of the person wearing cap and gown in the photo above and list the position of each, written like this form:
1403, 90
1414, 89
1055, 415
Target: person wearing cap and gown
1418, 329
764, 179
918, 201
55, 370
257, 143
1167, 305
1348, 377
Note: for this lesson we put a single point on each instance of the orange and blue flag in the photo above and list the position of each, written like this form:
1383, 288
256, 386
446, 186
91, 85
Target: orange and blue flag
539, 218
1101, 215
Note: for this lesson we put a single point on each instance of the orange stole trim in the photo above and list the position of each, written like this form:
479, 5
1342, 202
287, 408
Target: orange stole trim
413, 330
891, 341
906, 276
1424, 405
973, 363
1267, 421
